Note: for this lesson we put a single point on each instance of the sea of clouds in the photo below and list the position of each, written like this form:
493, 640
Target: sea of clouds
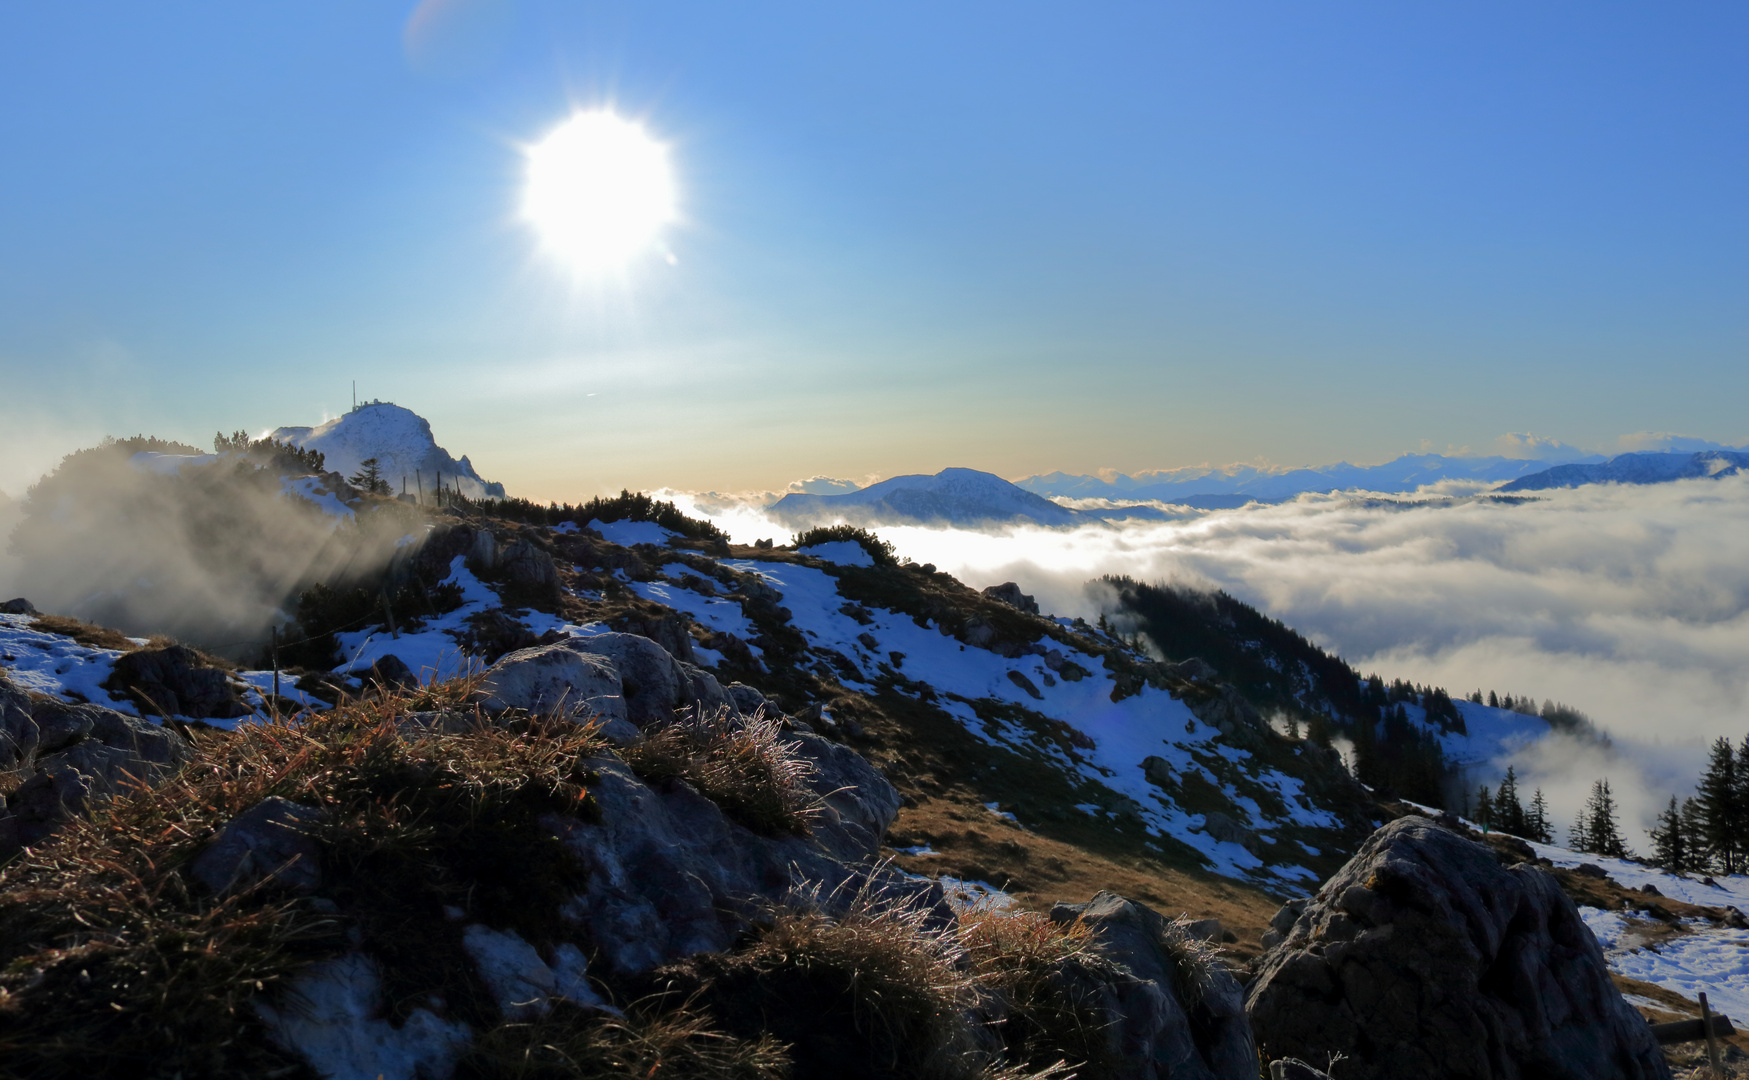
1630, 603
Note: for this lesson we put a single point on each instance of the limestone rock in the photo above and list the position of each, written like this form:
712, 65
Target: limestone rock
1425, 957
555, 677
18, 605
1009, 593
531, 572
274, 838
391, 671
174, 681
1167, 1019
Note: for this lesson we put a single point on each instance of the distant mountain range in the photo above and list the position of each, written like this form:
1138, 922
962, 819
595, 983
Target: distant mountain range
950, 497
400, 440
1635, 469
1234, 485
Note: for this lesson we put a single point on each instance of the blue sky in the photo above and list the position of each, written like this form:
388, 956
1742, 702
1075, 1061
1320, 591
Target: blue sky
1018, 237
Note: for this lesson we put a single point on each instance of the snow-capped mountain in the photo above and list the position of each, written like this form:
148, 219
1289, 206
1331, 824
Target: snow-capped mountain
400, 440
951, 496
1636, 469
1234, 485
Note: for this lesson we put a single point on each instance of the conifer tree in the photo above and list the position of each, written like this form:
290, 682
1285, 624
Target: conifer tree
1484, 807
1721, 808
1536, 821
1670, 842
1493, 700
1508, 811
369, 478
1599, 833
1694, 829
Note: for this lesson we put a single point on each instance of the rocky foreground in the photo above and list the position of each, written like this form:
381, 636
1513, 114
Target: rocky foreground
539, 873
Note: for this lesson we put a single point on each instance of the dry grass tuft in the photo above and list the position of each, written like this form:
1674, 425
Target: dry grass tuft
1020, 958
1190, 961
87, 634
744, 766
113, 961
570, 1043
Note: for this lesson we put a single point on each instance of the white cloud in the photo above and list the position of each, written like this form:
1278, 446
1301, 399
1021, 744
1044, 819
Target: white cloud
1655, 442
824, 485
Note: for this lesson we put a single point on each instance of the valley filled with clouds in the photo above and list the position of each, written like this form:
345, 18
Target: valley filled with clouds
1630, 603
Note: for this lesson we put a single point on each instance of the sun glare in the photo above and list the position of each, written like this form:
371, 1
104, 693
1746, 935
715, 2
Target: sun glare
599, 190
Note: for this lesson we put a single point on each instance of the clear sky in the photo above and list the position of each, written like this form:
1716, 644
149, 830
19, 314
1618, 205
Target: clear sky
1012, 236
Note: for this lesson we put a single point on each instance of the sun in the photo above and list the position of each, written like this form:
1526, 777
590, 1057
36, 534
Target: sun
599, 190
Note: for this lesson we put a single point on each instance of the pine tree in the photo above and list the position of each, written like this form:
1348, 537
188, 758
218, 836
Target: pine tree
1493, 700
1484, 807
1721, 808
369, 478
1536, 822
1669, 841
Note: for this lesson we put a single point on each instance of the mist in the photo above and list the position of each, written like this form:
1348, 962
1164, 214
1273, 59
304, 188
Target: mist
1629, 603
212, 554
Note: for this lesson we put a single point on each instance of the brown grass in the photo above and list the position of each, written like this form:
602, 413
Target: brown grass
89, 634
570, 1043
114, 962
744, 766
1019, 958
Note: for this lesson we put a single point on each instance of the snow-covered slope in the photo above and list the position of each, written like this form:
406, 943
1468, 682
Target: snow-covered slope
951, 496
1636, 469
402, 443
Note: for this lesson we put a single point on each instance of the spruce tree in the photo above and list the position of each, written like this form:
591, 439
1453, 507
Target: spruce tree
1536, 821
1508, 811
1694, 830
1721, 808
1484, 807
1601, 832
1669, 841
1493, 700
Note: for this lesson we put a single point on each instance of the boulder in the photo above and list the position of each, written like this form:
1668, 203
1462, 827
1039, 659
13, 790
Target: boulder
652, 681
175, 681
747, 699
1173, 1010
555, 677
76, 754
18, 605
670, 875
1157, 770
392, 672
1227, 830
275, 839
531, 573
1426, 957
1009, 593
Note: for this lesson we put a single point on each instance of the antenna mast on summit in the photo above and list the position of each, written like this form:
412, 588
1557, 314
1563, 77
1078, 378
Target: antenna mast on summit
355, 395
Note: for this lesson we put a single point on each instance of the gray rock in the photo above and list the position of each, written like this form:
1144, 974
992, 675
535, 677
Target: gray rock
391, 671
46, 801
747, 700
1206, 930
651, 679
531, 571
979, 632
670, 875
1009, 593
700, 690
1224, 828
275, 839
1425, 957
19, 735
18, 605
1174, 1012
483, 552
555, 677
174, 681
1157, 770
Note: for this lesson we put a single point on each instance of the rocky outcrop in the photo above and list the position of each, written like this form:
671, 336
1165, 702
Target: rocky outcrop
274, 838
1425, 957
1009, 593
531, 575
18, 605
671, 875
1170, 1009
73, 755
175, 681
